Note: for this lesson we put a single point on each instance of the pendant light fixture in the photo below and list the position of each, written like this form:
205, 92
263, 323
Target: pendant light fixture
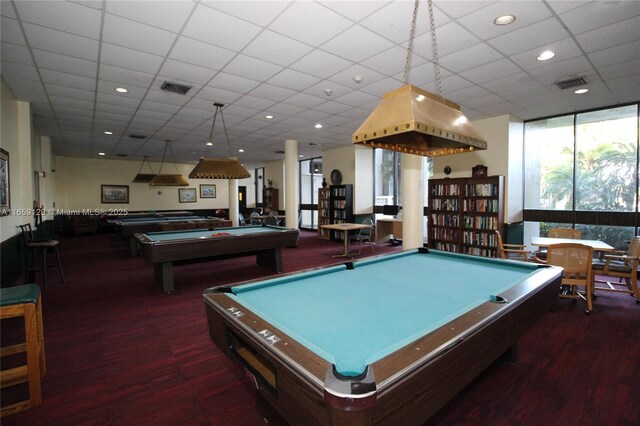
168, 179
218, 168
144, 177
415, 121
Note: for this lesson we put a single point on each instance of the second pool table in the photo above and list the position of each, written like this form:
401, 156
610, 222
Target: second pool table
387, 340
164, 248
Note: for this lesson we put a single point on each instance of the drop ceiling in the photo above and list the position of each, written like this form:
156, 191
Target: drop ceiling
296, 61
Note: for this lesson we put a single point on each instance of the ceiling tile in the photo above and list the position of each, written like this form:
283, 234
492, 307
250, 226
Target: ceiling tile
610, 35
481, 23
391, 61
61, 42
393, 21
251, 68
124, 77
492, 71
10, 31
469, 58
87, 95
64, 79
357, 43
128, 58
16, 54
181, 71
233, 83
622, 53
451, 38
220, 29
310, 23
259, 12
530, 37
273, 93
564, 49
62, 16
170, 15
598, 14
275, 48
66, 64
134, 35
304, 100
293, 80
562, 70
321, 64
458, 8
199, 53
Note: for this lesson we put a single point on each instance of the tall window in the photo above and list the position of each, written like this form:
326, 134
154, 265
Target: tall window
310, 181
584, 165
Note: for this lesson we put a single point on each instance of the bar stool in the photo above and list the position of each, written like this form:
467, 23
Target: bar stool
24, 301
34, 246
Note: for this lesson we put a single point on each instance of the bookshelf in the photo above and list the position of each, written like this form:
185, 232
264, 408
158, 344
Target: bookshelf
463, 214
340, 207
270, 199
324, 218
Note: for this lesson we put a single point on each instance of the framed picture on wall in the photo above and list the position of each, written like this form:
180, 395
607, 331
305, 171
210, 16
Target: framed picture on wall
187, 195
111, 194
5, 199
207, 191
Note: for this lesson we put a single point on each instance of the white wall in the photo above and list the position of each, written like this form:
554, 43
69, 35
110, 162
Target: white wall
503, 156
80, 179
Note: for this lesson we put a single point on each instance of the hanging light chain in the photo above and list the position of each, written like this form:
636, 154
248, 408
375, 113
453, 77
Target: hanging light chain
213, 125
405, 78
434, 45
226, 135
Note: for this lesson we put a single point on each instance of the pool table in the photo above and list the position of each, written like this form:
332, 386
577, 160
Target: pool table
127, 228
386, 340
164, 248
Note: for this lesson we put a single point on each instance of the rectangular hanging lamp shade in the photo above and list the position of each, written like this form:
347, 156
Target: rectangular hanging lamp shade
169, 180
218, 168
414, 121
143, 178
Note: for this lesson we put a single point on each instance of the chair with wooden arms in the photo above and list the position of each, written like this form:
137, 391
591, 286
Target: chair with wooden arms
34, 246
574, 234
576, 260
364, 236
511, 251
622, 265
24, 301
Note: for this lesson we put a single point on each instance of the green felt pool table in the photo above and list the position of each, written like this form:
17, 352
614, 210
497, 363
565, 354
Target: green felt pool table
128, 227
388, 340
164, 248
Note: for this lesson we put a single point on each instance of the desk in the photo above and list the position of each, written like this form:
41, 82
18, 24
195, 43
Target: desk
381, 340
164, 248
127, 228
595, 244
388, 226
345, 228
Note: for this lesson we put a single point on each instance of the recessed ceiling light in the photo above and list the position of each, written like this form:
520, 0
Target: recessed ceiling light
241, 150
504, 19
108, 133
268, 117
121, 90
209, 144
300, 155
547, 54
318, 126
581, 91
101, 153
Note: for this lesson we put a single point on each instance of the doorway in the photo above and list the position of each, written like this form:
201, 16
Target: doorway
242, 198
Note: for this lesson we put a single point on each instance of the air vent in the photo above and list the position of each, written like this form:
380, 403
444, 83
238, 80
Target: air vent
279, 152
175, 87
122, 155
137, 136
574, 82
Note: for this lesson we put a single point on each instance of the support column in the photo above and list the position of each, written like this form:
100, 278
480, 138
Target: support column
291, 181
412, 201
234, 209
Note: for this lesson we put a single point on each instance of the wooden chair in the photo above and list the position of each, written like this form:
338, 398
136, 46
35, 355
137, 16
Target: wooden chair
575, 234
24, 301
364, 236
576, 260
34, 246
511, 251
622, 265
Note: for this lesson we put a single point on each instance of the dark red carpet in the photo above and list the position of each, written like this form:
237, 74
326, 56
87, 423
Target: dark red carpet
121, 352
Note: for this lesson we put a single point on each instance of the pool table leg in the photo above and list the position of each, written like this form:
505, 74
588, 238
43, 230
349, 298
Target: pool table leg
164, 276
271, 259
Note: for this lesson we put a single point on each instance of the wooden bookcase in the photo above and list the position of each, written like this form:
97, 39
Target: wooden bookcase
464, 213
340, 207
324, 217
270, 199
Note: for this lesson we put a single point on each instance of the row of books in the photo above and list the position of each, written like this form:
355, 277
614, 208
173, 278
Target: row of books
445, 234
442, 219
340, 214
480, 251
443, 190
339, 204
479, 238
480, 222
481, 190
480, 206
339, 192
450, 204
